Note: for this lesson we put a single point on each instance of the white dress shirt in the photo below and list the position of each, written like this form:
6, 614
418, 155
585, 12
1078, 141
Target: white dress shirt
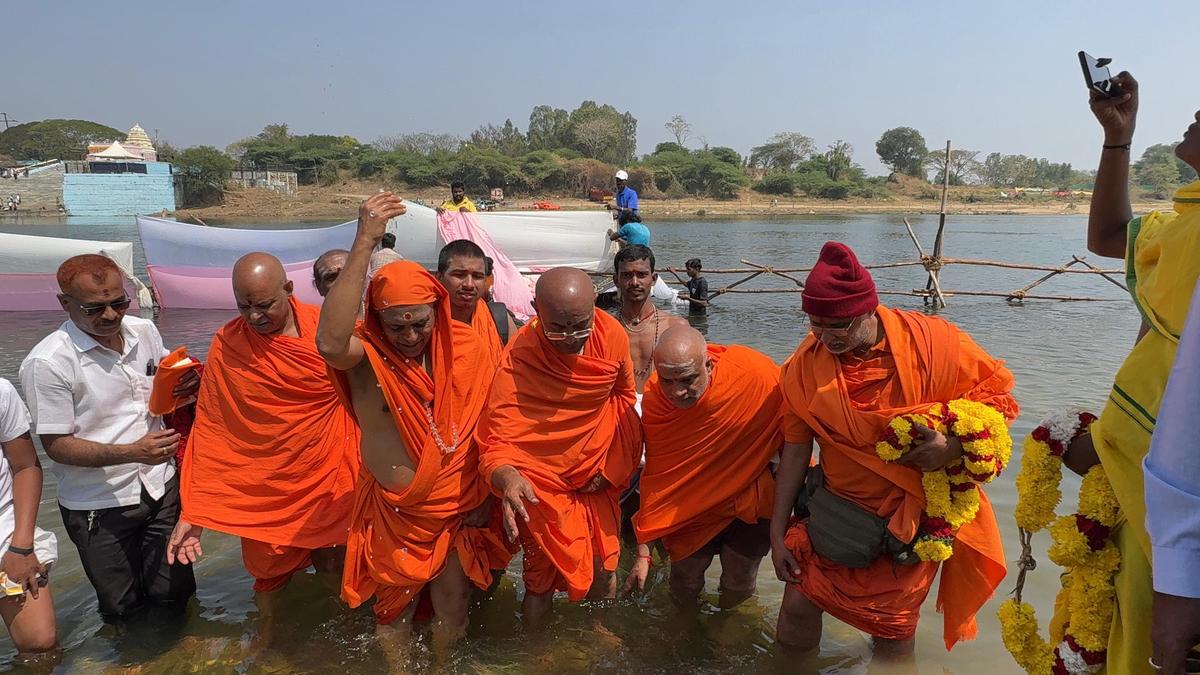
76, 386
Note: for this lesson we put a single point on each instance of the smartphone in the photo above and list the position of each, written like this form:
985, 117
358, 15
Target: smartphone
1096, 75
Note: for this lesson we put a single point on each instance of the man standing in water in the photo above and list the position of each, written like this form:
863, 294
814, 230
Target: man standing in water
279, 474
88, 385
559, 441
644, 323
863, 365
713, 423
463, 269
417, 380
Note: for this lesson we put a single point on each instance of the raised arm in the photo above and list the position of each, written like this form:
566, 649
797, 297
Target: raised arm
1111, 212
339, 313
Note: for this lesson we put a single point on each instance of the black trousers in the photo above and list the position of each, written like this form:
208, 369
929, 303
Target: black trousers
124, 553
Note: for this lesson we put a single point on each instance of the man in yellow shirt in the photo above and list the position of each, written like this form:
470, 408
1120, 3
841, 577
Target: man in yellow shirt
458, 200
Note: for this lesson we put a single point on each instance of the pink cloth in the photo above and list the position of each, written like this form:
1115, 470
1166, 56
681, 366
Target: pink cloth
510, 287
212, 287
35, 292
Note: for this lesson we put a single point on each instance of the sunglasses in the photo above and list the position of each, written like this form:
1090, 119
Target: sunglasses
116, 305
563, 337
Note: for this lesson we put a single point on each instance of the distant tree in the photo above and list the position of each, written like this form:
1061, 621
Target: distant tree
782, 152
512, 141
727, 155
903, 150
203, 171
54, 139
1152, 165
549, 128
487, 136
668, 147
964, 166
276, 133
776, 183
680, 128
599, 138
422, 143
839, 160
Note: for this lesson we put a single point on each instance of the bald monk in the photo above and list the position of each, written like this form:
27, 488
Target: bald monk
463, 269
326, 269
273, 454
560, 440
417, 381
712, 416
863, 365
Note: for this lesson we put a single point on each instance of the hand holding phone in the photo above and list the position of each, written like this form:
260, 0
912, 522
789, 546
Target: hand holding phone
1098, 77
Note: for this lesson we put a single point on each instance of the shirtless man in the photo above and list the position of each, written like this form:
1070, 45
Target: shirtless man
633, 272
417, 381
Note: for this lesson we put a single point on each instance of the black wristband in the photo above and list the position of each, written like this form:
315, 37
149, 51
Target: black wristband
1122, 146
20, 551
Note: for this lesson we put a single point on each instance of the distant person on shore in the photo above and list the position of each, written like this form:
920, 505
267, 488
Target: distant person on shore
88, 385
625, 199
1156, 618
29, 551
459, 201
417, 381
713, 421
559, 441
463, 270
697, 288
326, 269
863, 365
279, 474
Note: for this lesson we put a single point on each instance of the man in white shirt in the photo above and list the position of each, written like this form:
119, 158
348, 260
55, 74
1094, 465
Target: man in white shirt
88, 388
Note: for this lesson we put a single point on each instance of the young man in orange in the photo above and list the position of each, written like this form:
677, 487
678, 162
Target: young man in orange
559, 441
273, 454
417, 381
863, 365
463, 269
712, 416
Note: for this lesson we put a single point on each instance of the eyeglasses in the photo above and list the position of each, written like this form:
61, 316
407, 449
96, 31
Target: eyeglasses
563, 337
116, 305
842, 329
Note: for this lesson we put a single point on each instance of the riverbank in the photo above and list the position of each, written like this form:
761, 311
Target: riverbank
341, 200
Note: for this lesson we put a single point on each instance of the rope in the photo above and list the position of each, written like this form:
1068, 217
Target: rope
1026, 563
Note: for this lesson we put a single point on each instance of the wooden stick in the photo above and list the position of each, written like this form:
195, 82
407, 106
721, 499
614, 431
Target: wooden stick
1021, 291
1007, 296
728, 288
1101, 272
775, 272
916, 242
1023, 266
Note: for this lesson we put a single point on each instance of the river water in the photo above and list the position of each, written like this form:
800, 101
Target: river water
1061, 352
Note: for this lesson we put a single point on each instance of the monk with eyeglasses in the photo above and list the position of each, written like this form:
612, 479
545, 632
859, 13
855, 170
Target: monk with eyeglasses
560, 439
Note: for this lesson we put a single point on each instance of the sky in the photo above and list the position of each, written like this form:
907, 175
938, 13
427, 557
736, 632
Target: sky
993, 77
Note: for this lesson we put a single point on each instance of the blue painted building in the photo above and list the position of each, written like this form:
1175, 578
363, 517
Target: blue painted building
118, 189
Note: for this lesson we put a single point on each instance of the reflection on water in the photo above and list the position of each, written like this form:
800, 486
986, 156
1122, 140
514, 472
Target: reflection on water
1061, 353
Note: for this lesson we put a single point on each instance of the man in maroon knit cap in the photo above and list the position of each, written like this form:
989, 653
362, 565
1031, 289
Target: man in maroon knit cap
850, 553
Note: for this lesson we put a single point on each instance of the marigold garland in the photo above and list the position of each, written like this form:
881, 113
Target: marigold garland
951, 493
1082, 544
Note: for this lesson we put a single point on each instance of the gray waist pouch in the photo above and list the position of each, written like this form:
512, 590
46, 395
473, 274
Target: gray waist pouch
844, 532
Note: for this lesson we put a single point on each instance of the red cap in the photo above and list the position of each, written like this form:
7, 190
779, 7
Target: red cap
838, 287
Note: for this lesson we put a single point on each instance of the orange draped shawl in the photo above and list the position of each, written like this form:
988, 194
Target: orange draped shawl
560, 420
933, 362
484, 324
273, 453
400, 541
709, 464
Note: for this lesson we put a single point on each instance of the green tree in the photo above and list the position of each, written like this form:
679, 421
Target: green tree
600, 131
203, 171
776, 183
782, 152
549, 128
727, 155
1162, 154
964, 166
903, 150
54, 139
839, 160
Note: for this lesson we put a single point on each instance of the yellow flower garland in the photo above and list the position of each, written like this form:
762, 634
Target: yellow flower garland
951, 493
1082, 544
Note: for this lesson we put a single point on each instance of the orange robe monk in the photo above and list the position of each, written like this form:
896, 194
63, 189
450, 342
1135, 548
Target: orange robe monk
709, 465
561, 420
845, 404
485, 325
399, 541
273, 454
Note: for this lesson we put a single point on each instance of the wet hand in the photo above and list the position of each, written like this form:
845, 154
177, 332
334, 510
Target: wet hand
481, 515
1174, 630
184, 545
515, 493
374, 214
24, 570
637, 576
931, 450
786, 567
188, 385
156, 447
1118, 116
